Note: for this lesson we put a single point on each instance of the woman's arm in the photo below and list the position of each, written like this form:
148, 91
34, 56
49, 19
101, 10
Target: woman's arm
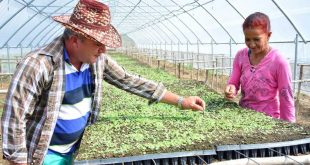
286, 98
233, 84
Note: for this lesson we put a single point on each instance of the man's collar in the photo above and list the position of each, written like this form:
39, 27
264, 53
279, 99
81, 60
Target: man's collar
55, 49
66, 56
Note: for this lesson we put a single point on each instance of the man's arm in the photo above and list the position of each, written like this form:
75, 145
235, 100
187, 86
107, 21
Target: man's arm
155, 92
18, 105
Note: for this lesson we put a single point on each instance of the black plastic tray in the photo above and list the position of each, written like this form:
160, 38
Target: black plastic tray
223, 152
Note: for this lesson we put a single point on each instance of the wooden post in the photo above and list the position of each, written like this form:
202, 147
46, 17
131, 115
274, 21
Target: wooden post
222, 78
300, 78
192, 69
213, 73
198, 63
217, 75
298, 90
207, 72
164, 64
158, 63
183, 68
175, 64
1, 81
179, 68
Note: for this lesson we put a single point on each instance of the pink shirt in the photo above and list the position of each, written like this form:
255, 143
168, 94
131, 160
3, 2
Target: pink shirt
265, 87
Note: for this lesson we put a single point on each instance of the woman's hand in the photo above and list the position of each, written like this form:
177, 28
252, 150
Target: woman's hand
230, 92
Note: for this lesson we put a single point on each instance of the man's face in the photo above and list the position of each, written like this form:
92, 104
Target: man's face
89, 50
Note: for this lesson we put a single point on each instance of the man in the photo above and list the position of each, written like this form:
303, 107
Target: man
56, 90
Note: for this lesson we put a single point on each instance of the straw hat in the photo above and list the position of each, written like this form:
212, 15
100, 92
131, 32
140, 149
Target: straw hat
92, 19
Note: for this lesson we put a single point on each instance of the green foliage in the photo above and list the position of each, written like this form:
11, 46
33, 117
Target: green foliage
128, 126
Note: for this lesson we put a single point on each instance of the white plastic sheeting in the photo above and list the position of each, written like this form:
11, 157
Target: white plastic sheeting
27, 22
200, 26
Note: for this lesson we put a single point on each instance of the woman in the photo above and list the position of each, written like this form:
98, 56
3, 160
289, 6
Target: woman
263, 73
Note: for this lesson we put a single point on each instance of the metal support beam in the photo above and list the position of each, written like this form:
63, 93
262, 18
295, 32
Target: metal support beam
16, 31
39, 23
17, 12
289, 19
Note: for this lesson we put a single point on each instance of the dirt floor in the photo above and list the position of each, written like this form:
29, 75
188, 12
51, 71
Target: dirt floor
303, 109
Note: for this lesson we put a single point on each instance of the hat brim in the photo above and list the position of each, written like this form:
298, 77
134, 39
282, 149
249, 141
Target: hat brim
109, 37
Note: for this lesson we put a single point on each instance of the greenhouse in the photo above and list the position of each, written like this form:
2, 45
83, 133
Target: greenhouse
190, 48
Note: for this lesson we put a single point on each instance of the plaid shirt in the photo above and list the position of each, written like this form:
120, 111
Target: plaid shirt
36, 92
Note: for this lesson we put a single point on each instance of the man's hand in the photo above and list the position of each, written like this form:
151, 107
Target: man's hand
230, 92
193, 102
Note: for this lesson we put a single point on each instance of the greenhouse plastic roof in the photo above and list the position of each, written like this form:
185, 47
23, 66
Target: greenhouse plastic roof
28, 23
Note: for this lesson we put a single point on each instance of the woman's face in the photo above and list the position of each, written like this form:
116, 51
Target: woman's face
256, 40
